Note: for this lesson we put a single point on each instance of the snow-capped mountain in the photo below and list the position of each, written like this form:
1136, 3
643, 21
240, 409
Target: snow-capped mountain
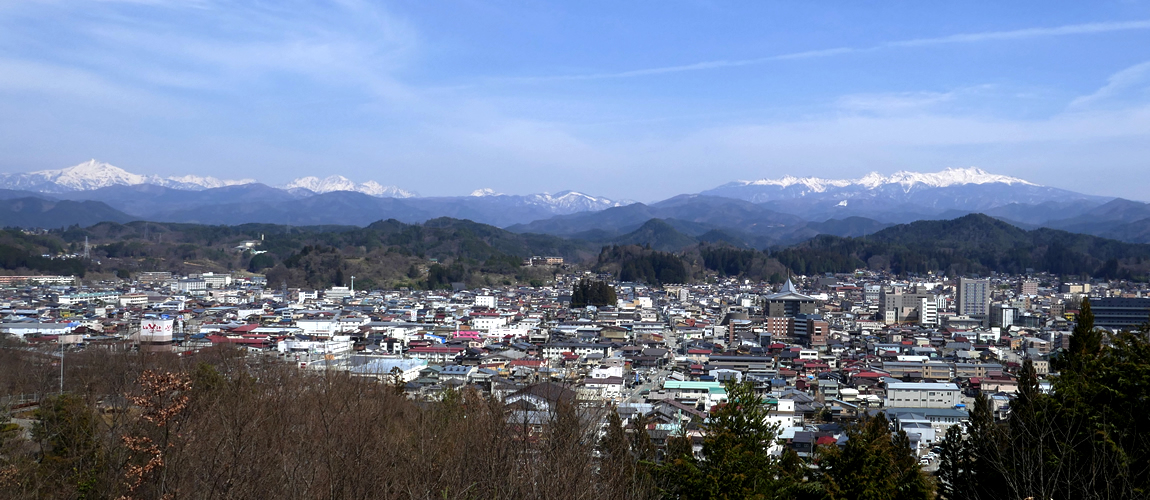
195, 182
875, 180
93, 174
341, 183
562, 203
902, 195
569, 202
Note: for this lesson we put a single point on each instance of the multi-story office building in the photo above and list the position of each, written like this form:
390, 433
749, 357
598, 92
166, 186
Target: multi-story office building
973, 299
1120, 313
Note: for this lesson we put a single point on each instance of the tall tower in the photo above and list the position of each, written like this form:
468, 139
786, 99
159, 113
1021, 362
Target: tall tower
973, 299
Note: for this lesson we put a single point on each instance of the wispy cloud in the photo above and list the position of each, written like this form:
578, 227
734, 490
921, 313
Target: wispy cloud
893, 102
1118, 84
1073, 29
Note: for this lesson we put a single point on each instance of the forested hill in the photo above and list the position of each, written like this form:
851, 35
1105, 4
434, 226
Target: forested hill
386, 253
971, 244
441, 251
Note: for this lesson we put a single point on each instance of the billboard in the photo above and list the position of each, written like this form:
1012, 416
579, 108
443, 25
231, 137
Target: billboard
156, 330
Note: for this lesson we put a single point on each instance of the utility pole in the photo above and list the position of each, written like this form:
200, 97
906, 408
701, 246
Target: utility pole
61, 365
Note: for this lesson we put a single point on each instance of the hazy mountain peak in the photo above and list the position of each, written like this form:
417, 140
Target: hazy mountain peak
485, 192
207, 182
341, 183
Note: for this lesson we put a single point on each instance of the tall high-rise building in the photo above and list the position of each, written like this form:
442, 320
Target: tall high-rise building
973, 299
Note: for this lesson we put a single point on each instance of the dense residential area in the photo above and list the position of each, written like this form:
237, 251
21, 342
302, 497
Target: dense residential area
822, 358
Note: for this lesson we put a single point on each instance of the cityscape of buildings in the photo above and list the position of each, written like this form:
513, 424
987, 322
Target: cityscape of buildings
822, 350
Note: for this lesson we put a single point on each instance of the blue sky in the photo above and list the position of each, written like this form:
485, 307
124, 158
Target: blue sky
639, 100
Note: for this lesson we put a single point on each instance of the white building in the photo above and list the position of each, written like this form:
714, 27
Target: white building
23, 329
213, 280
133, 300
927, 312
337, 293
487, 323
339, 345
784, 414
321, 327
922, 395
609, 388
485, 301
192, 285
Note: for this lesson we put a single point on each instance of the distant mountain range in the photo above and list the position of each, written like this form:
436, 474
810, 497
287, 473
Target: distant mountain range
95, 175
756, 214
307, 200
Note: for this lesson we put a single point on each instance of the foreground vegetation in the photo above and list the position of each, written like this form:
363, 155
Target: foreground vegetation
136, 426
1089, 438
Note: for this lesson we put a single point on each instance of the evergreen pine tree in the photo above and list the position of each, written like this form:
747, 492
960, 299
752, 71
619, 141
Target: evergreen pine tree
984, 451
578, 295
955, 481
736, 461
1085, 342
874, 465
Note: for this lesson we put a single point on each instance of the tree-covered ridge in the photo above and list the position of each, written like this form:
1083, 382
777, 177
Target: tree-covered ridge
636, 263
971, 244
738, 262
23, 253
384, 254
442, 251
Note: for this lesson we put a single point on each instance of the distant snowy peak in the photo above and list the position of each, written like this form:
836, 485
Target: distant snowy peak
192, 182
341, 183
567, 202
873, 180
484, 192
561, 203
964, 189
94, 174
90, 175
